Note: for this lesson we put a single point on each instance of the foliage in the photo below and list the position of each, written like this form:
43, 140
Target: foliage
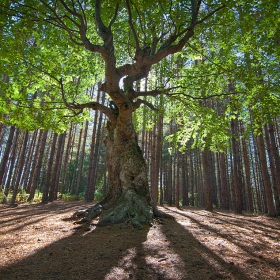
22, 197
72, 197
228, 69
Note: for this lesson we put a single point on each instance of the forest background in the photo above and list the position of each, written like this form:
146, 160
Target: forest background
210, 138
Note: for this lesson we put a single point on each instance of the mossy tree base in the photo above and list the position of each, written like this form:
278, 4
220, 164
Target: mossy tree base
131, 208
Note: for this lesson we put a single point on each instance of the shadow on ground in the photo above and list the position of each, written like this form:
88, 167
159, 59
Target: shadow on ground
164, 251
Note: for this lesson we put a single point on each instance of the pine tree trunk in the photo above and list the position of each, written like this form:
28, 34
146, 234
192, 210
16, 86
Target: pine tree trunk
76, 163
49, 170
96, 154
224, 183
191, 178
66, 159
177, 184
275, 155
38, 166
274, 175
92, 149
266, 181
57, 168
207, 179
5, 158
82, 159
236, 177
248, 175
20, 164
27, 168
11, 165
185, 184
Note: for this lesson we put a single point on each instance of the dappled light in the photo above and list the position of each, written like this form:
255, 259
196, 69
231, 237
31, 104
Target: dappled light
197, 245
241, 240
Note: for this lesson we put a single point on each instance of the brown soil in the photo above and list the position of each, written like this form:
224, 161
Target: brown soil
35, 243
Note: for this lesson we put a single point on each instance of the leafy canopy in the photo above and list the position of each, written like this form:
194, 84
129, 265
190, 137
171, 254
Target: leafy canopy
211, 61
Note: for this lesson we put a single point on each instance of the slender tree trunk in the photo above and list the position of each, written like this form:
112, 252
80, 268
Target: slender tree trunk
191, 178
45, 197
76, 162
265, 174
11, 165
38, 166
224, 185
154, 187
185, 184
275, 155
236, 178
66, 159
177, 188
5, 158
207, 180
82, 159
213, 179
92, 148
248, 175
30, 158
57, 168
273, 170
96, 154
58, 171
21, 164
258, 177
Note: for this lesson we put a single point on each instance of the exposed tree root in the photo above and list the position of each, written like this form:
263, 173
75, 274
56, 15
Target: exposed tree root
131, 208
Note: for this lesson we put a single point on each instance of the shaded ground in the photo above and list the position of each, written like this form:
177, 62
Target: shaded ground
35, 243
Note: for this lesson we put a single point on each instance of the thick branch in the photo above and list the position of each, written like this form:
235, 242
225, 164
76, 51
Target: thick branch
152, 93
168, 92
115, 16
167, 47
90, 105
101, 28
139, 102
132, 26
95, 106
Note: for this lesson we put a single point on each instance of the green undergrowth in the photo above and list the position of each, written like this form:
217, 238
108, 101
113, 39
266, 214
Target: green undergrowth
22, 197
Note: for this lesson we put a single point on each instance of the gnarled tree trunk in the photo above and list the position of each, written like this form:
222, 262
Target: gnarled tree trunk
128, 198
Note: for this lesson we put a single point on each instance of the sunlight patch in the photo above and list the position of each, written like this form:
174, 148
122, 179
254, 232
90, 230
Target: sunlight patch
125, 266
159, 254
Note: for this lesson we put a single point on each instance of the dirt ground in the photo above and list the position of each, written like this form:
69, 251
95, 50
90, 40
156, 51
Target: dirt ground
36, 243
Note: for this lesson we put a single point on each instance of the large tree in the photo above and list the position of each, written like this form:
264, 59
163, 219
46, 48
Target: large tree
53, 50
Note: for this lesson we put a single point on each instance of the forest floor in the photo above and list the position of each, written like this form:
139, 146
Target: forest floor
36, 243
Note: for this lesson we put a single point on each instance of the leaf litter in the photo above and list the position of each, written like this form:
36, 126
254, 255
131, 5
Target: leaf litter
37, 243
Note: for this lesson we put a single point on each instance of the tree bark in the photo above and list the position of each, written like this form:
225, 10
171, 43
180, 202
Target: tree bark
236, 160
224, 183
5, 158
128, 198
35, 179
45, 198
207, 179
266, 181
21, 164
79, 179
57, 168
11, 165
